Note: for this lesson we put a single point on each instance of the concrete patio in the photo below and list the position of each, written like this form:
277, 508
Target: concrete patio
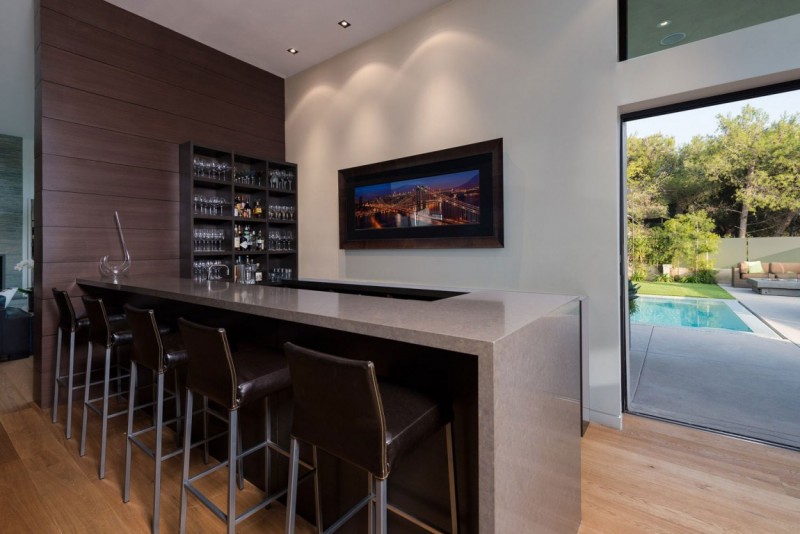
736, 382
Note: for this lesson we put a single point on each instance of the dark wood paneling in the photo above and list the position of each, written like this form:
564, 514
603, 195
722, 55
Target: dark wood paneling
66, 244
80, 107
116, 96
85, 176
63, 275
123, 23
65, 68
85, 40
81, 210
86, 142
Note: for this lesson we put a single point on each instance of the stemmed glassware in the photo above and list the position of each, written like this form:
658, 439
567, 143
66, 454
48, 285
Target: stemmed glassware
208, 239
281, 179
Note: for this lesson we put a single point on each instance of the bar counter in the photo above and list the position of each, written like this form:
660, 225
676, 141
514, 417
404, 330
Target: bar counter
523, 349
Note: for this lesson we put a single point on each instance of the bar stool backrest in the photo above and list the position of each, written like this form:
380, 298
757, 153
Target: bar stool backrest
210, 372
66, 313
147, 348
337, 407
99, 327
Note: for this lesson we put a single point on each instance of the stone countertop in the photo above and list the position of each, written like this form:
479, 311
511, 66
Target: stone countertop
470, 323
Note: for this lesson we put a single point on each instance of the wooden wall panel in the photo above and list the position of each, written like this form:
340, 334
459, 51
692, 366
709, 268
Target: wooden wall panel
116, 95
86, 142
63, 275
61, 173
71, 70
120, 22
80, 211
80, 107
70, 244
74, 36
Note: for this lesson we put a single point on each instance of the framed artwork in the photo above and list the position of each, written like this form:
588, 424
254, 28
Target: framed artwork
450, 198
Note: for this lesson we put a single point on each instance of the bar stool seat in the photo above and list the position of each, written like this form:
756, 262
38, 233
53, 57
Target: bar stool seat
232, 380
160, 354
341, 407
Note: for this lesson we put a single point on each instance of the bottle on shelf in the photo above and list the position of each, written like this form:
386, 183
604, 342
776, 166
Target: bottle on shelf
244, 242
248, 210
259, 241
258, 211
237, 237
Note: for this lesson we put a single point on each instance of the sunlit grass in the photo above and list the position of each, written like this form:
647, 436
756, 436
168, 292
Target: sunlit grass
677, 289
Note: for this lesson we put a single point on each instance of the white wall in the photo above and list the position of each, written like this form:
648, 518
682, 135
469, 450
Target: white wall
543, 76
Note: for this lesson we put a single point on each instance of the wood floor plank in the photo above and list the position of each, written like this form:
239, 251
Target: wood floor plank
659, 477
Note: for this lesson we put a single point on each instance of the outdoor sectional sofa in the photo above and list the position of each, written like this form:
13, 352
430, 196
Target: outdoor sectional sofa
741, 273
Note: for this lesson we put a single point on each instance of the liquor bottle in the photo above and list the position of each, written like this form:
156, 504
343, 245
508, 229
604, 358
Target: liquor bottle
245, 241
248, 211
258, 212
259, 241
237, 237
236, 211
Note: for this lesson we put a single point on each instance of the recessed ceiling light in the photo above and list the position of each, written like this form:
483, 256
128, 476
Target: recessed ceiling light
673, 38
292, 50
344, 24
664, 23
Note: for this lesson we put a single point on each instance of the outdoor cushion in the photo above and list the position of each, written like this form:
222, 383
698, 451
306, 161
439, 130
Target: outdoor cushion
778, 267
754, 267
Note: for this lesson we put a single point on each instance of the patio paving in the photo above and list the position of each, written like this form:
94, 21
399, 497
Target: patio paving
736, 382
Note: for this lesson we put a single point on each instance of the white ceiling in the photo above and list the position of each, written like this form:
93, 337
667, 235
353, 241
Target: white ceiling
260, 31
255, 31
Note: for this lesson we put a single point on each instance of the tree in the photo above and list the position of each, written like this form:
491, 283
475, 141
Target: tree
783, 196
651, 161
687, 240
740, 156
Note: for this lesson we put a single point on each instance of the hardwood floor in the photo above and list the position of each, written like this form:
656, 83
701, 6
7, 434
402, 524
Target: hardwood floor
45, 486
653, 477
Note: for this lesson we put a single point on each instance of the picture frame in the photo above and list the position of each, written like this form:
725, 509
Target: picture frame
450, 198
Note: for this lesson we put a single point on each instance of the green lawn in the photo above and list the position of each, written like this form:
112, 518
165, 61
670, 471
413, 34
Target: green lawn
675, 289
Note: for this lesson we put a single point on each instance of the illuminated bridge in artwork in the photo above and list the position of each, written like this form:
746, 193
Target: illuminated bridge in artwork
425, 206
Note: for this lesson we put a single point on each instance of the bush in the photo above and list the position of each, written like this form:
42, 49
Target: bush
638, 275
705, 276
664, 278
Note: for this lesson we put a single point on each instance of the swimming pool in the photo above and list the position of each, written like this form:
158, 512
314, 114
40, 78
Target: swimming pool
688, 312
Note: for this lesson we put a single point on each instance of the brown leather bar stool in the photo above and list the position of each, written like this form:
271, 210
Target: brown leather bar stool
232, 381
69, 323
342, 408
160, 354
110, 336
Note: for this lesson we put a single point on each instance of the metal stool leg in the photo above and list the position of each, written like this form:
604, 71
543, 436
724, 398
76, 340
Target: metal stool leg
451, 472
158, 452
291, 495
126, 492
104, 437
57, 373
205, 428
187, 450
233, 459
86, 388
178, 423
380, 495
70, 377
268, 438
317, 501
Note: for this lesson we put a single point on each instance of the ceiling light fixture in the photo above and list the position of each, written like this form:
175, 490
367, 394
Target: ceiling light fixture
292, 50
664, 23
673, 38
344, 24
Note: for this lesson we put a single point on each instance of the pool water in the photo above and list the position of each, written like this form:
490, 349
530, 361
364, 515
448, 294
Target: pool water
693, 313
